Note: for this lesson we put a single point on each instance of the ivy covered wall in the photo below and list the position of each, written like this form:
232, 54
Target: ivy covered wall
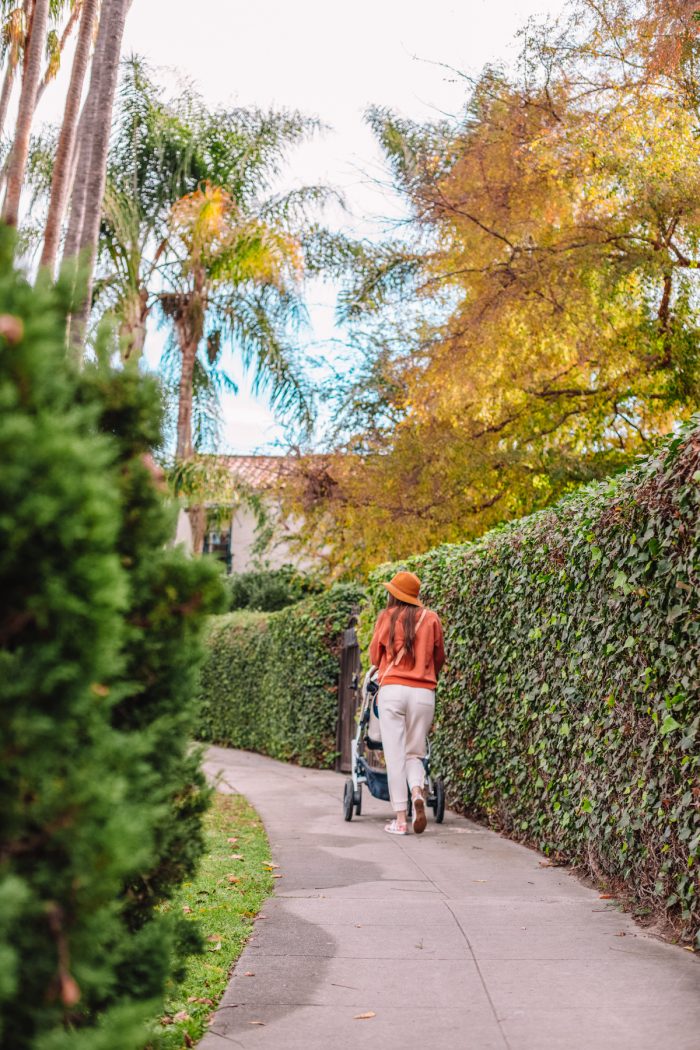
569, 711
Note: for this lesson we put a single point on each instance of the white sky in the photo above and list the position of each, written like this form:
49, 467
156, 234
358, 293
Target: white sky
332, 61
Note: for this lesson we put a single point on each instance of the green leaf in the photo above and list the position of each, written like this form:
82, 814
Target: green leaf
668, 725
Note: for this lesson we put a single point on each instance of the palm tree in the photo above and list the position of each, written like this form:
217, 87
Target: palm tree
14, 32
33, 58
57, 41
94, 148
67, 138
190, 227
187, 229
232, 275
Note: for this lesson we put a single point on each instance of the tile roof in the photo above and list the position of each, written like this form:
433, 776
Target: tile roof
260, 472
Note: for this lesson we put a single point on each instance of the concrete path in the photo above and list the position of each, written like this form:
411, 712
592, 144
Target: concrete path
454, 940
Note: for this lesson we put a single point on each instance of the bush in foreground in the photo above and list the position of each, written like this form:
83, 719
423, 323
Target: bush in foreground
270, 682
570, 709
100, 801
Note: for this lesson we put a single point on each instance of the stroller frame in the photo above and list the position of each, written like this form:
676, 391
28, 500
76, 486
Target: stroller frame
376, 780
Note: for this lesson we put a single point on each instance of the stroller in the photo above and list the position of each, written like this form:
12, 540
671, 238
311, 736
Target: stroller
376, 779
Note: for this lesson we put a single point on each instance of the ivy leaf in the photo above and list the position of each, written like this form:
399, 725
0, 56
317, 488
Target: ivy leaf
668, 725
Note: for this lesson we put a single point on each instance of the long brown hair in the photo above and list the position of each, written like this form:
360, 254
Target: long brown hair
408, 614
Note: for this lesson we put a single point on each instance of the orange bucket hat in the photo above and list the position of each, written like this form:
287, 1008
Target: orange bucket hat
405, 586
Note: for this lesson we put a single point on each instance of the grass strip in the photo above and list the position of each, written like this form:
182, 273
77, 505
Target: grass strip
234, 878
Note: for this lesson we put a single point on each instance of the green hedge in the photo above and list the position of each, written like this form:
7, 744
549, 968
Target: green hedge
268, 590
270, 683
568, 715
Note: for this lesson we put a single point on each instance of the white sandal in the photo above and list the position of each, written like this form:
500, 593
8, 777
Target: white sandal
394, 828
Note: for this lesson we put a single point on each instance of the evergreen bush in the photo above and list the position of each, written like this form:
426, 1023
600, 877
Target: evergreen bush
99, 796
270, 681
569, 712
266, 590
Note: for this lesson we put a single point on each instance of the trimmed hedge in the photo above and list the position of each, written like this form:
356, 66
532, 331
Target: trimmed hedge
569, 711
268, 590
270, 683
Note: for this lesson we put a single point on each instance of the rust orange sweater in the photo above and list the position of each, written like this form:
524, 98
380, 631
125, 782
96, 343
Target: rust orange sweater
428, 650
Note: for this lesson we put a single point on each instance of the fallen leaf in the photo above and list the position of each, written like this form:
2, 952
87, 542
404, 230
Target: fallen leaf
479, 880
215, 947
621, 934
364, 1017
181, 1015
166, 1020
188, 1040
249, 973
186, 910
278, 876
214, 937
689, 948
236, 856
232, 841
198, 999
270, 866
257, 1022
607, 897
233, 878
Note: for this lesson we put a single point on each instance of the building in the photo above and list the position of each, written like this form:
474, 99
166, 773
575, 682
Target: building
251, 531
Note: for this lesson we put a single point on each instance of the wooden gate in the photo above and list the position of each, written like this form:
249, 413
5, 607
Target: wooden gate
348, 697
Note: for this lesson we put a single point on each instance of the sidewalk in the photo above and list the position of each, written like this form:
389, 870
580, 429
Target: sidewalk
454, 940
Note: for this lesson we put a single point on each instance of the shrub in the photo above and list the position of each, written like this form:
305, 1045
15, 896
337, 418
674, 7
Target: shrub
98, 646
270, 682
168, 599
266, 590
569, 712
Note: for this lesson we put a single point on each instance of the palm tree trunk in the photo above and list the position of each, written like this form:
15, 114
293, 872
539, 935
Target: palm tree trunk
198, 523
79, 175
34, 53
98, 134
70, 25
132, 329
67, 138
188, 313
7, 86
188, 353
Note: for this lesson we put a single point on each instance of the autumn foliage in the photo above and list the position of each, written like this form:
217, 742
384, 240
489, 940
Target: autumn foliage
537, 327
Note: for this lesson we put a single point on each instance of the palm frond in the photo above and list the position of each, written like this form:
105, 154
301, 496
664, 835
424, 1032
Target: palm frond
256, 323
292, 209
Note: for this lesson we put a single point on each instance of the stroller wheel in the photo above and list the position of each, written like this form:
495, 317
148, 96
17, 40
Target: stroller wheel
357, 798
348, 799
439, 801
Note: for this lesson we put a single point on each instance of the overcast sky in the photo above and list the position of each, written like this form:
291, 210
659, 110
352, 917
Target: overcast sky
332, 61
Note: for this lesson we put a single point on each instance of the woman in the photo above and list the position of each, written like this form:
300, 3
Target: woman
408, 649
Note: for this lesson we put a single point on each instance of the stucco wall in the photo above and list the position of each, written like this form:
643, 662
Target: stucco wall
243, 540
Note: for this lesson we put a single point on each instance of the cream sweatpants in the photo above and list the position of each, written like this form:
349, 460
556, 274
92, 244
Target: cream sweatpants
405, 717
